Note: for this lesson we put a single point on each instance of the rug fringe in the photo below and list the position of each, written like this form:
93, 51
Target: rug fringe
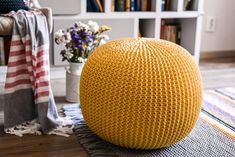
86, 137
95, 148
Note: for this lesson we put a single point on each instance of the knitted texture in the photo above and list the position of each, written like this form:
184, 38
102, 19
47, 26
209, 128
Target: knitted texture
141, 93
12, 5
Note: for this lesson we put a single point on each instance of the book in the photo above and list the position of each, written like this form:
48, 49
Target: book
89, 7
128, 5
132, 5
168, 5
120, 5
146, 5
163, 5
186, 4
138, 5
113, 5
94, 6
190, 5
149, 5
171, 32
100, 5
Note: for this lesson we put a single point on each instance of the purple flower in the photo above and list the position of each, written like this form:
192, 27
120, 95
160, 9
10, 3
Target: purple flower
79, 40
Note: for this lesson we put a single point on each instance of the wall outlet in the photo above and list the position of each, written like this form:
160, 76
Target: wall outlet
210, 23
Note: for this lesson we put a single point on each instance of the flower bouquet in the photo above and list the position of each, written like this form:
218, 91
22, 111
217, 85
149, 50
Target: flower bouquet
81, 40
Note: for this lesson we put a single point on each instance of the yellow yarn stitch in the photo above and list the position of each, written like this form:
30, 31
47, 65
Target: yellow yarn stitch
141, 93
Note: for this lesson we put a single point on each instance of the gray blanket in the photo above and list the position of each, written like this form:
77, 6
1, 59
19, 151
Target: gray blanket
29, 103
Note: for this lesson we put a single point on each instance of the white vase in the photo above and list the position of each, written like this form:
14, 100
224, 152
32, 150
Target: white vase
75, 68
72, 87
73, 81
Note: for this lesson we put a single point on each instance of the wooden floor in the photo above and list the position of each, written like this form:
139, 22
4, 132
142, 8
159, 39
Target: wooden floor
39, 146
216, 73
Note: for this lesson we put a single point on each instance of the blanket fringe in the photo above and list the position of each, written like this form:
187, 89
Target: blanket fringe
34, 127
31, 127
65, 131
72, 115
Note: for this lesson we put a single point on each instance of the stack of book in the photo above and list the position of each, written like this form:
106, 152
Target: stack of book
131, 5
95, 6
171, 32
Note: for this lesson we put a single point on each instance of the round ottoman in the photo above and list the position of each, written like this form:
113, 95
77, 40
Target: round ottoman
141, 93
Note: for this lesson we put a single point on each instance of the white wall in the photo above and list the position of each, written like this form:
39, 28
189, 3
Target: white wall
223, 39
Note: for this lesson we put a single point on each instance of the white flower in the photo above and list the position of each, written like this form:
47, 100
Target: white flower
59, 33
59, 37
68, 55
90, 43
61, 40
104, 36
82, 26
68, 37
89, 32
80, 60
96, 41
102, 42
89, 48
94, 27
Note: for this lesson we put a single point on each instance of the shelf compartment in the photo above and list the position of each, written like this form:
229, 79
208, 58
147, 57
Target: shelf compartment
147, 28
186, 35
171, 30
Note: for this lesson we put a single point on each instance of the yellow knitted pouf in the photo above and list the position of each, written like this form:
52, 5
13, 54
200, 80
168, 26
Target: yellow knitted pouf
141, 93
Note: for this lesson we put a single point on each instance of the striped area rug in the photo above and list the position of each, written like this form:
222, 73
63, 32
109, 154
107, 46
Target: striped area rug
219, 109
203, 141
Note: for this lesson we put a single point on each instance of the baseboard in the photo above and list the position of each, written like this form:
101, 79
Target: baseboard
217, 54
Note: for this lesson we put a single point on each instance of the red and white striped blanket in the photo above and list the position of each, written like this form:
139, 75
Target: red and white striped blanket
28, 68
28, 97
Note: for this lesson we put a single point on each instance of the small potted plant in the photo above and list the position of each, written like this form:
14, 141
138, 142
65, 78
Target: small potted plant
80, 41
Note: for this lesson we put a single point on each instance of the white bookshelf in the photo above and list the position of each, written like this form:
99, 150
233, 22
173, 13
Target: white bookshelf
127, 24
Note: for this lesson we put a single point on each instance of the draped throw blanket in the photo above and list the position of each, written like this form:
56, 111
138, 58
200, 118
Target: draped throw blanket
29, 103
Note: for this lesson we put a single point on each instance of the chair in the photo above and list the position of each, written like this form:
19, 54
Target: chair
6, 24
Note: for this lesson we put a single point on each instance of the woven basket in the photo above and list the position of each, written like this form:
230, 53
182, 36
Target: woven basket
141, 93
